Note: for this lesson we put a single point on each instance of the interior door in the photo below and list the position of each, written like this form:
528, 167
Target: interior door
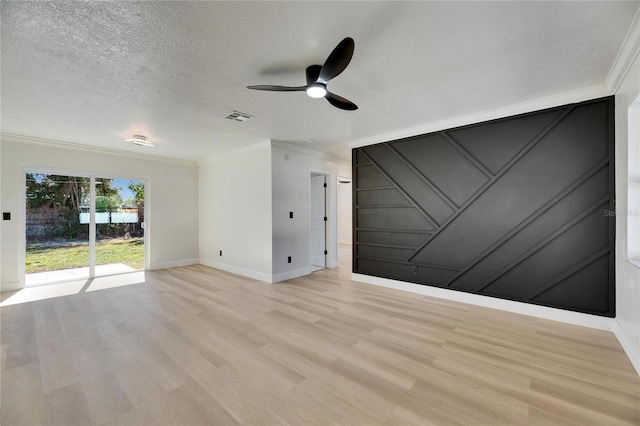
318, 229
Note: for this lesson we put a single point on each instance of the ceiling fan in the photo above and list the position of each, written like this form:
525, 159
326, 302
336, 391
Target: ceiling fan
319, 75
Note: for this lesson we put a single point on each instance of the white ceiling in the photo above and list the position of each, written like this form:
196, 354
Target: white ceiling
97, 72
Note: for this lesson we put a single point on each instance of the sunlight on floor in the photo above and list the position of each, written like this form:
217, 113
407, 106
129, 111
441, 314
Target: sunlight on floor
33, 294
73, 274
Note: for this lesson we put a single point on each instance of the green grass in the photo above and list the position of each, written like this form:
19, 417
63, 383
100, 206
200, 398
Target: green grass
129, 252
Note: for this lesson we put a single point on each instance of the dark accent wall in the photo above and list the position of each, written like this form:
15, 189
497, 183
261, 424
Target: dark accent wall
519, 208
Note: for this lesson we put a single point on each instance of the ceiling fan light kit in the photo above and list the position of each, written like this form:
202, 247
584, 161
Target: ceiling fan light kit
317, 90
319, 75
139, 140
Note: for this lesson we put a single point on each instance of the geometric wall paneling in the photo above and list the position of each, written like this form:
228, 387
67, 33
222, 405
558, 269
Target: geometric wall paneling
512, 208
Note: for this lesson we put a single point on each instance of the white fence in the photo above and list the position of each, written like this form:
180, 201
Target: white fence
126, 217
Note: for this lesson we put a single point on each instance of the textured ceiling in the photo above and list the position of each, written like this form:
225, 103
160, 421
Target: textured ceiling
97, 72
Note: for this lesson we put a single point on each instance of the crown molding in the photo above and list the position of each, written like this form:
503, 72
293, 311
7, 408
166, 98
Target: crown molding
575, 96
286, 145
10, 137
626, 55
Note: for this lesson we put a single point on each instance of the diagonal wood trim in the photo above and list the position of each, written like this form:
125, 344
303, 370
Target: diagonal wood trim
531, 218
466, 154
566, 274
422, 177
497, 176
426, 215
521, 227
602, 201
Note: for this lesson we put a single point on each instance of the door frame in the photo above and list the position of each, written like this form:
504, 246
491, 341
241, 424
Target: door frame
331, 209
313, 174
92, 175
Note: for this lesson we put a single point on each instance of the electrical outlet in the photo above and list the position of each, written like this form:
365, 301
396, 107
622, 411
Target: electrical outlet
289, 259
6, 215
290, 215
220, 252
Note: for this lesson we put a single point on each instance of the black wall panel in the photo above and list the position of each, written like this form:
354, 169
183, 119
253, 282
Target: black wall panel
513, 208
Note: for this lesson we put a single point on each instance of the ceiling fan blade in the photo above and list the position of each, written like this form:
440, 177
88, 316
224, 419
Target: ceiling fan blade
313, 71
278, 88
340, 102
337, 60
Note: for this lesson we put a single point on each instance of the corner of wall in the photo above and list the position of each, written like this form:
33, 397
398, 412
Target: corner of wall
235, 212
623, 78
248, 273
10, 286
633, 353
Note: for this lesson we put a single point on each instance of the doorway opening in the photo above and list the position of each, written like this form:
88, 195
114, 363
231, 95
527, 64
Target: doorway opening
80, 227
318, 221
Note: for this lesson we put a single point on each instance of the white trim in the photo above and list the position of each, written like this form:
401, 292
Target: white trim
479, 117
92, 228
286, 145
290, 275
173, 264
327, 225
576, 318
626, 55
632, 353
260, 276
10, 286
10, 137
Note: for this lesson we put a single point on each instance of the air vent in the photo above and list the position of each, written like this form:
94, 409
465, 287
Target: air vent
238, 116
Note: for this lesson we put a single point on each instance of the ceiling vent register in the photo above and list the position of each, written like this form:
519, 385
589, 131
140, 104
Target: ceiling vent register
238, 116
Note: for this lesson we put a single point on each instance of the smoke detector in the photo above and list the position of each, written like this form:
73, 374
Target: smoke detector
238, 116
139, 140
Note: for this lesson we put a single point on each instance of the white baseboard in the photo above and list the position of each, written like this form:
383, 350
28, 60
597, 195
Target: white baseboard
10, 286
260, 276
632, 352
576, 318
290, 275
173, 264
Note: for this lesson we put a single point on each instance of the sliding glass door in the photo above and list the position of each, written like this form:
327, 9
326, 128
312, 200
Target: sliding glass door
57, 240
79, 227
119, 225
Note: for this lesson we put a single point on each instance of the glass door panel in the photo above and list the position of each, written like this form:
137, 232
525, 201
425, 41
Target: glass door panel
119, 226
56, 228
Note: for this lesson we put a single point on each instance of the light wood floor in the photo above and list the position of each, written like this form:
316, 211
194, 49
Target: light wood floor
194, 345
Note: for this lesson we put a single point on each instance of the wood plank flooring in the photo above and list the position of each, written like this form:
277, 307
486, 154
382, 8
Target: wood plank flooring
194, 346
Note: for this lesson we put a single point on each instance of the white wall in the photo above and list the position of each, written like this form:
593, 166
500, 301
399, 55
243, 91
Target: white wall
235, 212
291, 192
345, 221
627, 274
172, 198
